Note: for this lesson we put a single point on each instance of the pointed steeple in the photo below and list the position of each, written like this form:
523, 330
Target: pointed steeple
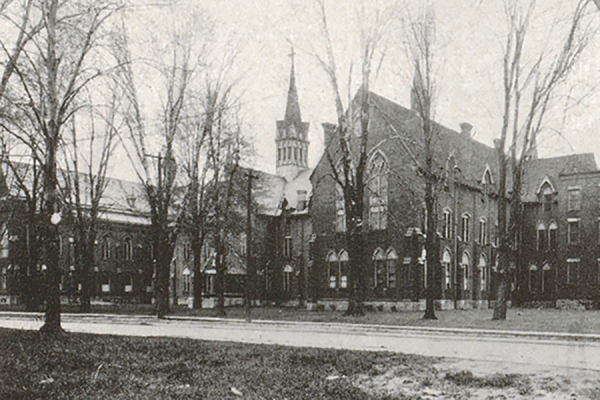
292, 109
292, 134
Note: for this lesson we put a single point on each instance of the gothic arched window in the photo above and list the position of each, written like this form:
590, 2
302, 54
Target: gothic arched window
378, 192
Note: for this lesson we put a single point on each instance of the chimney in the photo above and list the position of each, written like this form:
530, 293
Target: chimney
328, 132
466, 129
302, 200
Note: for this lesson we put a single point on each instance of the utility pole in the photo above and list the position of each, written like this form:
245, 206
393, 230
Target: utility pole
249, 265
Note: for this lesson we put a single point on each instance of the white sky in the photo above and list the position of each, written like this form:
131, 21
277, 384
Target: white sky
469, 60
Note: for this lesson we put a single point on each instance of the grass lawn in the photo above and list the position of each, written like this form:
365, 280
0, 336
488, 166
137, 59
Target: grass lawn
542, 320
107, 367
79, 366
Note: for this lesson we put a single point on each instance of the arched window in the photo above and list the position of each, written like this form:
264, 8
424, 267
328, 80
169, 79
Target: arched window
466, 228
483, 273
344, 269
447, 268
541, 237
128, 249
378, 192
4, 279
392, 260
447, 228
487, 176
333, 269
287, 278
105, 248
546, 194
465, 268
379, 268
187, 281
534, 280
483, 231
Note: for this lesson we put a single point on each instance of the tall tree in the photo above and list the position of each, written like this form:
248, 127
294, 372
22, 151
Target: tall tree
86, 159
350, 172
54, 72
175, 69
420, 43
529, 93
225, 149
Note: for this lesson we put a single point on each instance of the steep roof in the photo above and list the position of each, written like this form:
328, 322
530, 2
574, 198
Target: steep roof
469, 155
552, 168
292, 108
123, 201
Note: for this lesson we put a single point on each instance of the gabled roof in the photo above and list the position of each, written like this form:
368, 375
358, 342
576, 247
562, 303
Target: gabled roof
552, 168
123, 201
470, 156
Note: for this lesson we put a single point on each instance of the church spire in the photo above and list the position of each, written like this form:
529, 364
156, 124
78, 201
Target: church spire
292, 109
292, 134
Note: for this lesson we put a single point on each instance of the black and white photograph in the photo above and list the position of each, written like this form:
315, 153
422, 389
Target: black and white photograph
300, 199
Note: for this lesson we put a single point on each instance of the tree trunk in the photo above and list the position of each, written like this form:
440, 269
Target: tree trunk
163, 256
52, 323
357, 275
432, 258
198, 277
87, 261
220, 277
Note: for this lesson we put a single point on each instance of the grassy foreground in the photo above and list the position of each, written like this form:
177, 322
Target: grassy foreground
80, 366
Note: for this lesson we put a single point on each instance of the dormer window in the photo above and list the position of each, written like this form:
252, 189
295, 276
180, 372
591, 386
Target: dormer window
546, 193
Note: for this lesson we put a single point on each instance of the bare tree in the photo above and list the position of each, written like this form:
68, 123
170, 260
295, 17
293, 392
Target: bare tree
26, 29
86, 159
350, 172
160, 184
420, 44
225, 149
529, 92
52, 74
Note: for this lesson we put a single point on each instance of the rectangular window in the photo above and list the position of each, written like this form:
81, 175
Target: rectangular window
574, 199
287, 247
573, 231
572, 273
541, 239
553, 238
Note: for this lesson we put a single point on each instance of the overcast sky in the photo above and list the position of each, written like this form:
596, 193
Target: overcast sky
470, 34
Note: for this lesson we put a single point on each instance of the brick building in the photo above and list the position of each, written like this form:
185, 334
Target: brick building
560, 246
123, 256
394, 215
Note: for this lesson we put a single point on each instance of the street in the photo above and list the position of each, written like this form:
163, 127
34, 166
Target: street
489, 347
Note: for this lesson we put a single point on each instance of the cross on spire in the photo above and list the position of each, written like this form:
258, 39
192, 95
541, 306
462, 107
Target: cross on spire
292, 54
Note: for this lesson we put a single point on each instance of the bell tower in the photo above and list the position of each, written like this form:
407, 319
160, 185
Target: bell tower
292, 134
